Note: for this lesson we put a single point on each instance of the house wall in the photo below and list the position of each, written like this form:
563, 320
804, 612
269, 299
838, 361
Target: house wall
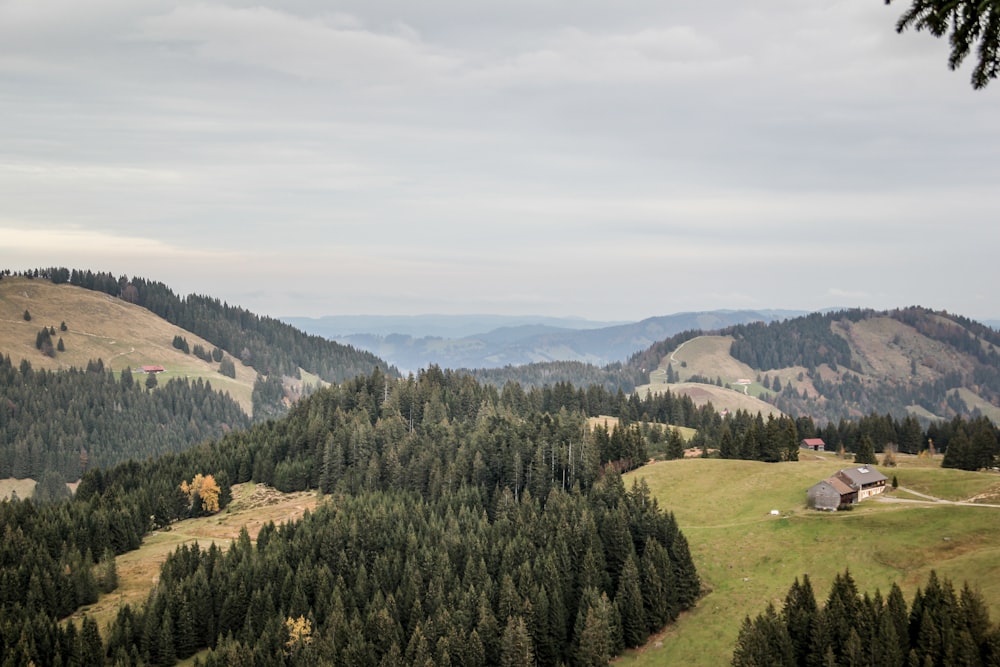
869, 491
823, 496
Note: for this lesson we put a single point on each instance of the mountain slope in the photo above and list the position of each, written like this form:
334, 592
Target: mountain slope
99, 326
526, 342
846, 364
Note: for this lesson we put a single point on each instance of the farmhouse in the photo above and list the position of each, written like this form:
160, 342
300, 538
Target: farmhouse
866, 481
815, 444
830, 494
846, 487
152, 369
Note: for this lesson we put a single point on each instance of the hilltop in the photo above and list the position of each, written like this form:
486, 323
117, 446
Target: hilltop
100, 326
844, 364
135, 322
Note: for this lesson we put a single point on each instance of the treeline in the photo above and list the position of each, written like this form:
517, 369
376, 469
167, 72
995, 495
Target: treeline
611, 377
940, 628
804, 341
449, 492
69, 421
393, 578
812, 341
743, 436
969, 444
850, 395
269, 345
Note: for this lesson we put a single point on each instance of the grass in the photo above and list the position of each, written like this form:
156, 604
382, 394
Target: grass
253, 506
104, 327
22, 487
747, 557
955, 485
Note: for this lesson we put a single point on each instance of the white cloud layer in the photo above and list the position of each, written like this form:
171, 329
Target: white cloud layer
576, 158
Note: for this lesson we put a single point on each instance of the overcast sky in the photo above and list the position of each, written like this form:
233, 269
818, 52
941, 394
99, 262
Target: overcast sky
610, 160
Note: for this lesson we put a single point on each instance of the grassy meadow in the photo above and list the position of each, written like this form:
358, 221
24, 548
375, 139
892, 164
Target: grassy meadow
253, 505
748, 557
99, 326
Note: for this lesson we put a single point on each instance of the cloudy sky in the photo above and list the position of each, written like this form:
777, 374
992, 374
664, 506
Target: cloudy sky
610, 160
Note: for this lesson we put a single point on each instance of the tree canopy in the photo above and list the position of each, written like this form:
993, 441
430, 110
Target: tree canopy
966, 22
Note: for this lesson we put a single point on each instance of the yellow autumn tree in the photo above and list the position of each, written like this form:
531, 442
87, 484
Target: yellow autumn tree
203, 491
299, 631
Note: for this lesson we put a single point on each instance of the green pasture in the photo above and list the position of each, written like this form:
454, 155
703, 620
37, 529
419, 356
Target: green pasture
748, 557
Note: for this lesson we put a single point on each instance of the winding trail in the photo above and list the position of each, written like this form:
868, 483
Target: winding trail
930, 500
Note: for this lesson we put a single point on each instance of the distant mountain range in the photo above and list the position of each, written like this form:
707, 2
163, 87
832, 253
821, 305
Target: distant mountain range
829, 365
495, 341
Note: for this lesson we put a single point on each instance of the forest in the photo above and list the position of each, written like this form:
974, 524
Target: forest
940, 628
502, 535
66, 422
811, 341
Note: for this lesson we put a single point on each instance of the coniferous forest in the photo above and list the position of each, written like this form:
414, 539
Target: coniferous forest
66, 422
464, 525
941, 627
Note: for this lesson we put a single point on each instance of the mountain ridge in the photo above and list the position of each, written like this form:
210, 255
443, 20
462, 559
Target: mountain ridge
523, 341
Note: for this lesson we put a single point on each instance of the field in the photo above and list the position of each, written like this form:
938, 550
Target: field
747, 557
99, 326
253, 505
22, 487
708, 356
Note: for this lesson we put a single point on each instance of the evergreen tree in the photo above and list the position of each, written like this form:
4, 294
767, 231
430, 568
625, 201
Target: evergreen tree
799, 614
866, 452
516, 648
764, 641
630, 605
675, 444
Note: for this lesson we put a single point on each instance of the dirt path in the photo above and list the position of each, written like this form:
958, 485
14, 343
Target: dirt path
931, 500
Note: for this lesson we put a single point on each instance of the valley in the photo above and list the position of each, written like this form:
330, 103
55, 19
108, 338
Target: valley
489, 495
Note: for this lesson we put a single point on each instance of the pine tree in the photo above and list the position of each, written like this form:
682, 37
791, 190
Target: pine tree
675, 444
593, 644
764, 641
866, 452
727, 444
91, 648
515, 648
630, 605
799, 614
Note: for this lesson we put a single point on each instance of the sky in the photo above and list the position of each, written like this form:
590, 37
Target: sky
597, 159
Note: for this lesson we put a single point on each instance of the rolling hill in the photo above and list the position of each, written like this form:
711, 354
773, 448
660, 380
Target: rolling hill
748, 557
451, 342
843, 364
134, 322
99, 326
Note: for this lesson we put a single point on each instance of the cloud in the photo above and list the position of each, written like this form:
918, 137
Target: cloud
332, 47
76, 244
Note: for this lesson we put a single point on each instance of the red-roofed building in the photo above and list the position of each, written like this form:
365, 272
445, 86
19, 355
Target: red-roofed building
152, 369
815, 444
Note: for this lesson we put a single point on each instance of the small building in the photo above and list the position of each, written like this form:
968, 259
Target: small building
830, 494
152, 369
846, 487
866, 481
815, 444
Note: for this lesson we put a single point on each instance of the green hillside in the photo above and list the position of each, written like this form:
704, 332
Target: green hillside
845, 364
98, 326
747, 557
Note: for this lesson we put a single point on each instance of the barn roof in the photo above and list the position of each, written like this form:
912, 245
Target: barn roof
839, 485
862, 476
